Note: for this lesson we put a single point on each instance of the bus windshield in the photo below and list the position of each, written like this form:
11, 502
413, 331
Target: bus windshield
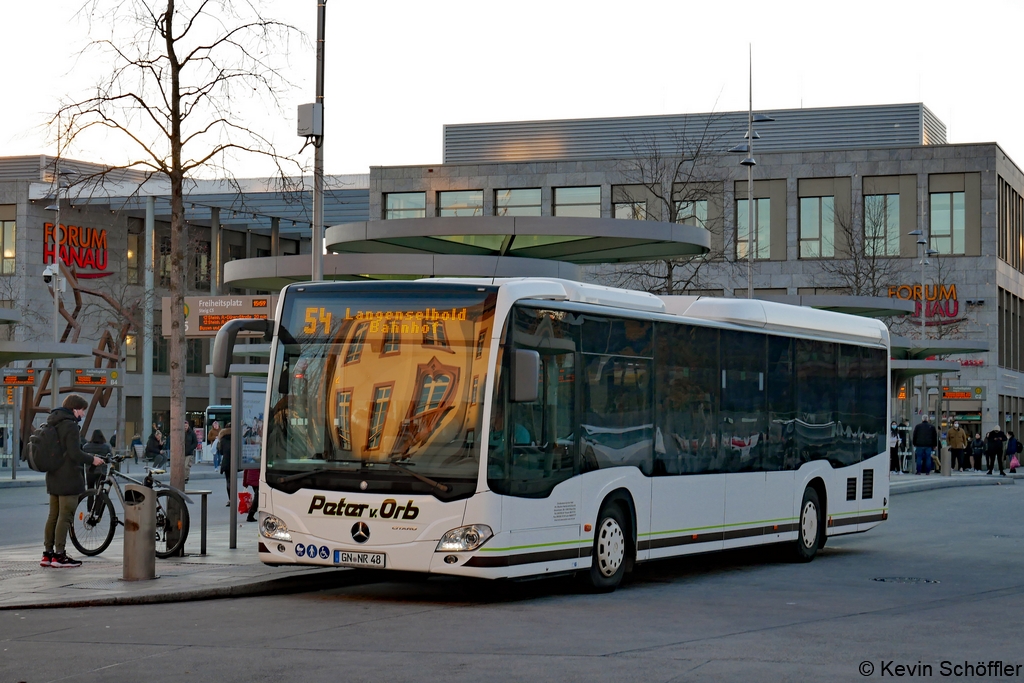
379, 389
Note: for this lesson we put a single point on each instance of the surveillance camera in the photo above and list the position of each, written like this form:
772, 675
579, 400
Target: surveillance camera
48, 274
970, 302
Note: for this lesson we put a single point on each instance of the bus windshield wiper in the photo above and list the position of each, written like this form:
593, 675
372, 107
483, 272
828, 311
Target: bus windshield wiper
443, 488
310, 473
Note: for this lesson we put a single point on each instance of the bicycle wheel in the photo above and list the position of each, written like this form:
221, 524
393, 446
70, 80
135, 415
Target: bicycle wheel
92, 527
171, 523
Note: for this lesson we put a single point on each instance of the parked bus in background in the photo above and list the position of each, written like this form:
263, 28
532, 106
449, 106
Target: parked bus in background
534, 427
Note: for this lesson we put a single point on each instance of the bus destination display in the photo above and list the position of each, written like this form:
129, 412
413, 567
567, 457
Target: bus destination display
19, 377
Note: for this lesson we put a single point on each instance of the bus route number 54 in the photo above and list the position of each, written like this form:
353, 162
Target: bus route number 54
315, 316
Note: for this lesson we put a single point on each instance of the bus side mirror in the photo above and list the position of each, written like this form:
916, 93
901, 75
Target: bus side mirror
224, 343
525, 376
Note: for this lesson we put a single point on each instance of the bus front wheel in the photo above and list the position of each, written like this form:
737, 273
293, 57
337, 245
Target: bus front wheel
810, 527
611, 546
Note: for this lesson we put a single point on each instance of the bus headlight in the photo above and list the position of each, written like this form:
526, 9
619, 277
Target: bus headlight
274, 527
464, 538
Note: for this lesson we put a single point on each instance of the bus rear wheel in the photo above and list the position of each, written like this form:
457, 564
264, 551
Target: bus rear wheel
611, 545
810, 527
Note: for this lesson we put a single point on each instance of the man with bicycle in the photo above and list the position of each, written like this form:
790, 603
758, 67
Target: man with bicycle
66, 483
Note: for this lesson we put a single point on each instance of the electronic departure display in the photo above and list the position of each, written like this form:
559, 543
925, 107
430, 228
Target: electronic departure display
19, 377
215, 321
99, 377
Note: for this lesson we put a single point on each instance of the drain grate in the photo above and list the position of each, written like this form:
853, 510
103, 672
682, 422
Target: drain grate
904, 579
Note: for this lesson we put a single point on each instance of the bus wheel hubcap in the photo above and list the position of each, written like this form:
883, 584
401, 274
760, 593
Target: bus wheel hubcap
611, 547
809, 524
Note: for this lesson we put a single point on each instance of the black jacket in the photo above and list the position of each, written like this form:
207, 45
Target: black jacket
224, 446
153, 447
977, 448
191, 442
994, 442
925, 435
69, 478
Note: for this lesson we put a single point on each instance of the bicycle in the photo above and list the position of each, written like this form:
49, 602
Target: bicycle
96, 519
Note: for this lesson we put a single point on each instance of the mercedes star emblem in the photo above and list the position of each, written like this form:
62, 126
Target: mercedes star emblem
360, 532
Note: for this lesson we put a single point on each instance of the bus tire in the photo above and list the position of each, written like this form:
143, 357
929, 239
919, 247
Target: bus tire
810, 527
611, 547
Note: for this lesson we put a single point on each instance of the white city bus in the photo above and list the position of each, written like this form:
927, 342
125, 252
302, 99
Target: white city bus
533, 427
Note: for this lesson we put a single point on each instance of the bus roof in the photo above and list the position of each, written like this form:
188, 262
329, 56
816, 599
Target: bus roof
769, 316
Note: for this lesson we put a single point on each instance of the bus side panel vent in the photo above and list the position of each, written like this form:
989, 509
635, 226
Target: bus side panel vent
868, 489
851, 488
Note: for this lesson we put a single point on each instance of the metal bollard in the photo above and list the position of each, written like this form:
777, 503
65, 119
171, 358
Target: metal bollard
139, 533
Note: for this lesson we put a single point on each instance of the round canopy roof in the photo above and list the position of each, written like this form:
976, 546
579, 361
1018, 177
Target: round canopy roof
273, 273
576, 240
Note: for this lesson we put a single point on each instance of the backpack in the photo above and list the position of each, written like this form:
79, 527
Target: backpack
44, 452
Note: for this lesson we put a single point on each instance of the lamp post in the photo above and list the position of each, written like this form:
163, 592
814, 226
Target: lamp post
750, 162
318, 149
52, 275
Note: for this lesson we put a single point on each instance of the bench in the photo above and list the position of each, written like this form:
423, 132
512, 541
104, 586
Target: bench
202, 518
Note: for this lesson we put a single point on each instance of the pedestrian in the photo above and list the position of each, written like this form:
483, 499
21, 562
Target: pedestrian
976, 452
994, 441
66, 483
155, 449
97, 445
1012, 449
924, 439
191, 443
136, 442
251, 478
957, 439
211, 441
894, 448
224, 448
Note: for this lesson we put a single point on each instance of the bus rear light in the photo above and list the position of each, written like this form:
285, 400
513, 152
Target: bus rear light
274, 527
464, 538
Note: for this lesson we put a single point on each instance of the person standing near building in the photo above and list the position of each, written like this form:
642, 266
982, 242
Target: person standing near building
976, 451
66, 483
191, 443
211, 441
224, 448
994, 449
924, 440
957, 439
894, 448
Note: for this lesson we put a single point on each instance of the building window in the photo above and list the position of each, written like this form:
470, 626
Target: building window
630, 211
201, 266
405, 205
435, 335
432, 391
692, 213
164, 265
378, 415
475, 391
817, 227
582, 202
131, 353
392, 340
481, 339
460, 203
762, 228
355, 347
160, 349
7, 247
882, 225
194, 357
948, 215
343, 420
517, 202
133, 259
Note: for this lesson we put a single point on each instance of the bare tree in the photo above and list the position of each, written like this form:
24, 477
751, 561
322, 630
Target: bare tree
676, 179
182, 71
867, 257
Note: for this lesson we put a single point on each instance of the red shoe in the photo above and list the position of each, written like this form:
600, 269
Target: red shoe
47, 560
62, 560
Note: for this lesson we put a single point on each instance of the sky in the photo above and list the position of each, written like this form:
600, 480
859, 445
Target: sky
397, 71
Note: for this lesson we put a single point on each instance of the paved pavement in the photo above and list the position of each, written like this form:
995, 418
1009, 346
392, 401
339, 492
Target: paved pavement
230, 573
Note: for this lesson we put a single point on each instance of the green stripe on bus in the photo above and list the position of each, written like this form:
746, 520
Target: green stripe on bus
721, 526
535, 545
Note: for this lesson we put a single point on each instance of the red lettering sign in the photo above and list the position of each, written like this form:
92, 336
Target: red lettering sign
82, 247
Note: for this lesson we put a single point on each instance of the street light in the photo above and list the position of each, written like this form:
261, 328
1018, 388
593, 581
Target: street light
750, 162
52, 276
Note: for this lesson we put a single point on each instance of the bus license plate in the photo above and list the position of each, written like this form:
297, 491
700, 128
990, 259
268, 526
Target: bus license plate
350, 559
